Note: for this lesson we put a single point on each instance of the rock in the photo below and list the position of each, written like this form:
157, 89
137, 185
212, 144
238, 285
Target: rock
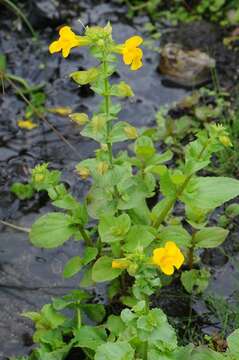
187, 68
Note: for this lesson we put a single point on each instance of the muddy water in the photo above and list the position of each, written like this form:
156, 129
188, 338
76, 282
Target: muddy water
29, 277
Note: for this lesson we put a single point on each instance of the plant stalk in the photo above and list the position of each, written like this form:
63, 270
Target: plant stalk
107, 112
85, 236
191, 252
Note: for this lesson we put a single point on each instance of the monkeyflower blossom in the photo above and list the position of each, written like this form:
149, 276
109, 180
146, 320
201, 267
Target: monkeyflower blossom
67, 40
132, 54
168, 258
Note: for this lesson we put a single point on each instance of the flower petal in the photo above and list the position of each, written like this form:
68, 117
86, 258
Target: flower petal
134, 41
136, 64
167, 268
127, 57
171, 248
158, 255
178, 260
66, 32
55, 47
66, 51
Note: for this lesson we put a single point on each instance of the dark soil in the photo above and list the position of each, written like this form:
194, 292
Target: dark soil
29, 277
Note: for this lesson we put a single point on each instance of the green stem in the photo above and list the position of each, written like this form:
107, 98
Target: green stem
107, 112
18, 79
85, 236
145, 350
191, 252
109, 122
78, 318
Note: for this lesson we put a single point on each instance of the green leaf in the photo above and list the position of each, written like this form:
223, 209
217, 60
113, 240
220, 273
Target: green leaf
43, 354
139, 236
210, 237
133, 192
51, 230
115, 325
233, 344
127, 316
22, 191
86, 280
167, 187
155, 329
100, 202
121, 350
95, 312
96, 129
3, 63
203, 353
50, 318
90, 337
121, 90
66, 201
175, 233
90, 254
158, 159
118, 133
71, 300
72, 267
102, 270
232, 210
212, 192
114, 229
86, 76
195, 280
144, 148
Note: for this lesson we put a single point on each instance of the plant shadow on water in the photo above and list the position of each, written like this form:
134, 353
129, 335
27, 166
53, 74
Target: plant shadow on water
29, 277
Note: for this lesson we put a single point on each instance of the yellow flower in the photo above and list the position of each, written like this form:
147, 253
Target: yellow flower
67, 40
120, 264
26, 124
132, 54
168, 257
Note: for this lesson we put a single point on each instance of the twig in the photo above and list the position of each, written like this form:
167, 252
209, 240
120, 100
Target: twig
27, 230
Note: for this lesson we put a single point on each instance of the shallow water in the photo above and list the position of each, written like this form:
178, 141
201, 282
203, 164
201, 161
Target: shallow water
29, 277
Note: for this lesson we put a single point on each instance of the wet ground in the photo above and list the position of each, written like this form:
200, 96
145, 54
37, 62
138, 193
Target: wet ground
29, 277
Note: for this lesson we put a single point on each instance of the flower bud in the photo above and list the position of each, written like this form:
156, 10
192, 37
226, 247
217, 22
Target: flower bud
39, 178
83, 171
131, 132
120, 264
104, 147
101, 43
225, 140
102, 167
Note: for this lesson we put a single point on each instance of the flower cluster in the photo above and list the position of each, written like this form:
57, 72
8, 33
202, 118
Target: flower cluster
132, 54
